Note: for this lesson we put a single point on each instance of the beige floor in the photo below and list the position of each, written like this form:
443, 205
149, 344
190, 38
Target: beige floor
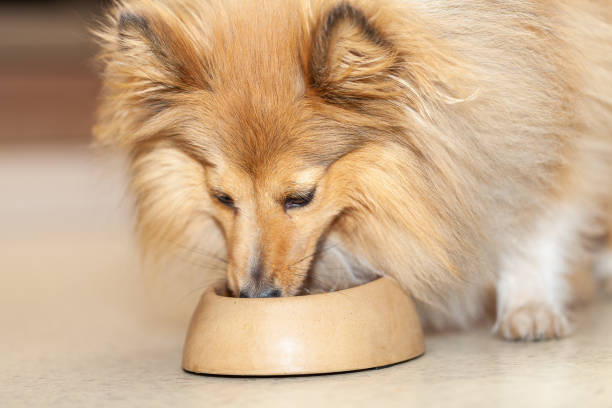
80, 327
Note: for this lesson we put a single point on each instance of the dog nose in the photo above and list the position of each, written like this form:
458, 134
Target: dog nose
251, 292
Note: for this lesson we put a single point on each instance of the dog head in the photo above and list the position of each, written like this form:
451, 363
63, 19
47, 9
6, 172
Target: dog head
270, 119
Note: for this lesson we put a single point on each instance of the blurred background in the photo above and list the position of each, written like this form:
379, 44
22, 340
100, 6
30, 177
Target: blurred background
73, 294
47, 75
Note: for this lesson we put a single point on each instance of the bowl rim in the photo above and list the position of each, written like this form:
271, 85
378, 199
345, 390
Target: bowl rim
215, 288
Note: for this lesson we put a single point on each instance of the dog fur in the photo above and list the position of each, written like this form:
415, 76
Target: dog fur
462, 148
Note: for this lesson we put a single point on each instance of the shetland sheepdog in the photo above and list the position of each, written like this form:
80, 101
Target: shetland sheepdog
461, 148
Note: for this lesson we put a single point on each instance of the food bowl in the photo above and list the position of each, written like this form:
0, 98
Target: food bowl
371, 325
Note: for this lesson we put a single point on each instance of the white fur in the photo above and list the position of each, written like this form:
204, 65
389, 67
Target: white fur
337, 269
532, 277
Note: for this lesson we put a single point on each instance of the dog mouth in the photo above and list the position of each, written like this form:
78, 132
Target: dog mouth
322, 277
331, 268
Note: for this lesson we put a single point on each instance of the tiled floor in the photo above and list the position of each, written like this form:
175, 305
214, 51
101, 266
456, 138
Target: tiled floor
80, 326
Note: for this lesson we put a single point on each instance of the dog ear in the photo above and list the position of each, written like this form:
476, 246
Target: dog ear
350, 60
158, 50
149, 61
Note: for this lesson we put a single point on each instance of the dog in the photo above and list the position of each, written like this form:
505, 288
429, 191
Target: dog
461, 148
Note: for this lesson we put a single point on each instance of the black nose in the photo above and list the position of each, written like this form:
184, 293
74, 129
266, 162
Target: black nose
260, 293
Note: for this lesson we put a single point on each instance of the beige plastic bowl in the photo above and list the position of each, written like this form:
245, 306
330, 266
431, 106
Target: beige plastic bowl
371, 325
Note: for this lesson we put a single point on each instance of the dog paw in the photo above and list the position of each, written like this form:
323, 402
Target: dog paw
532, 322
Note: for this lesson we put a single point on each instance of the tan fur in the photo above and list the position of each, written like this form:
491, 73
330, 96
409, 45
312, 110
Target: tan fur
434, 132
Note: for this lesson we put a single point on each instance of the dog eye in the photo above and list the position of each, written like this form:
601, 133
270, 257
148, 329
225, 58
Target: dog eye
297, 200
225, 199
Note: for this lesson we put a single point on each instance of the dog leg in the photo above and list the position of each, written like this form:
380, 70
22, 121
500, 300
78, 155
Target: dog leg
532, 289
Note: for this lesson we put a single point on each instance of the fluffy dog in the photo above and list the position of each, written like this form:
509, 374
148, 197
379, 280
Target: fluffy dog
462, 148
